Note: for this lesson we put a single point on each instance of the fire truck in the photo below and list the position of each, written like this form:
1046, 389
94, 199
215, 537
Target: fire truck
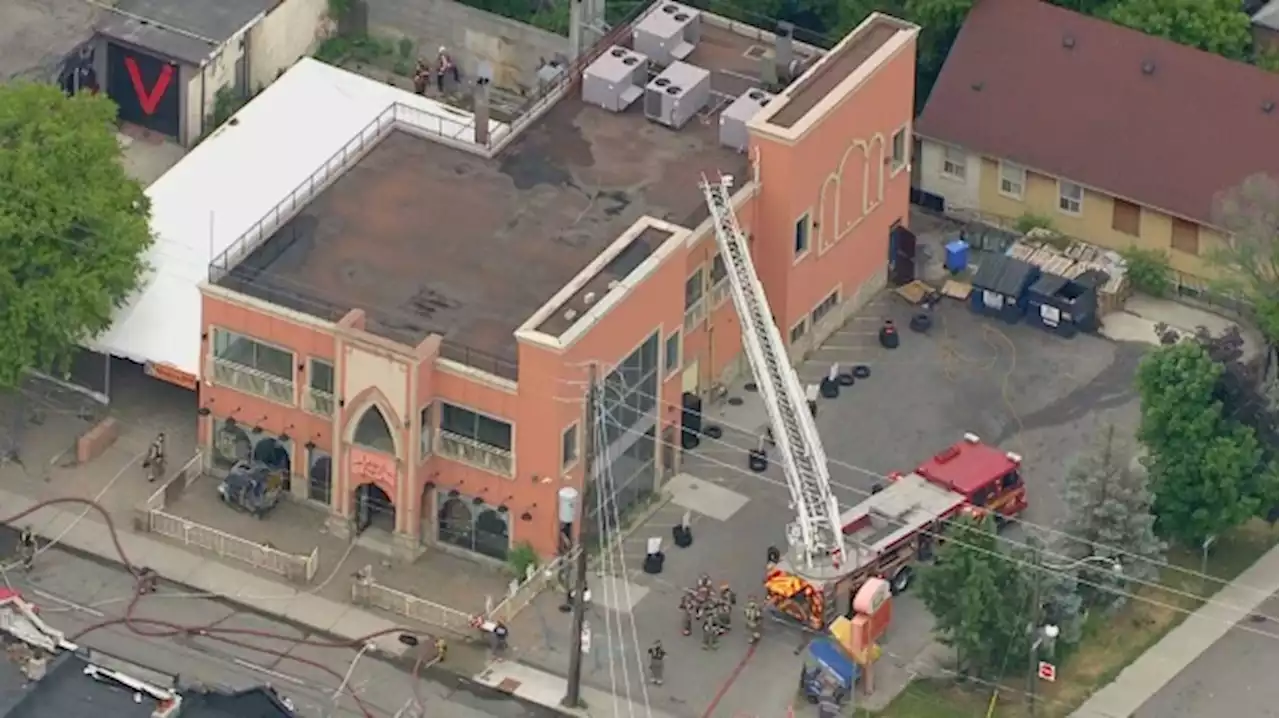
896, 526
829, 555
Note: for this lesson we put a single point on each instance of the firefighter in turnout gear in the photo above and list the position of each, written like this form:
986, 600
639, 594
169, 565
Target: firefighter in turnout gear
657, 654
753, 615
27, 548
724, 607
710, 630
688, 613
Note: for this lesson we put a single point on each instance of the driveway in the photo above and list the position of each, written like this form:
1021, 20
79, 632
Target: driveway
1014, 386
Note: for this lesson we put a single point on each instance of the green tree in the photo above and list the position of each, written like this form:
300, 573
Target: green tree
1202, 465
980, 598
1251, 257
73, 226
1110, 506
1217, 26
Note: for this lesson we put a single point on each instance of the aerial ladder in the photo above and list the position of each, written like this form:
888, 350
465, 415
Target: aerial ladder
816, 537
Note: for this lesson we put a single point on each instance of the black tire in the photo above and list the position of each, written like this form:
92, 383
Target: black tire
861, 371
845, 379
713, 431
901, 580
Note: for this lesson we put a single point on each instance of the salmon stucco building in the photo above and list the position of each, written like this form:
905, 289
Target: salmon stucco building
410, 328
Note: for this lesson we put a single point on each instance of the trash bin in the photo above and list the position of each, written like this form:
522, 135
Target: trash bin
957, 259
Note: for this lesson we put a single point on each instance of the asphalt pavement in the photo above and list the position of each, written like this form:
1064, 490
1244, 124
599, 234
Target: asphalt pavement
75, 593
1015, 386
1236, 676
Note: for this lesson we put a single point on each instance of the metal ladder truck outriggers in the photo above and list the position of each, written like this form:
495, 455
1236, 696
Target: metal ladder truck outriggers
816, 538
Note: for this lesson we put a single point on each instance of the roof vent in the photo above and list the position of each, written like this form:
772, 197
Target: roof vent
589, 297
662, 81
1268, 107
670, 9
1068, 41
977, 86
570, 315
1148, 67
618, 52
613, 284
971, 438
756, 95
674, 90
681, 16
630, 60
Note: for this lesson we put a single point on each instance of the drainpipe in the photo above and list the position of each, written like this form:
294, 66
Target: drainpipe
204, 71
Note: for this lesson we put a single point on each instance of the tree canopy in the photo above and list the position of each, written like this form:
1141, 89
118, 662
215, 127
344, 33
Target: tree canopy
1203, 465
73, 226
980, 599
1251, 213
1217, 26
1109, 505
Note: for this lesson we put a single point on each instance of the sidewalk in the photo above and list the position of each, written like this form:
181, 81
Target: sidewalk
547, 689
1143, 678
90, 535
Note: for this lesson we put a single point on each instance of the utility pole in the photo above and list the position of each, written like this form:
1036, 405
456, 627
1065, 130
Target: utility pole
573, 689
1033, 654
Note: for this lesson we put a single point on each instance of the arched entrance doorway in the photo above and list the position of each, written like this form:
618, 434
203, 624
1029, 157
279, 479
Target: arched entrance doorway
374, 509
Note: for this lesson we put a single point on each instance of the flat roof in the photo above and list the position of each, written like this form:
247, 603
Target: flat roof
187, 30
426, 238
837, 65
239, 182
66, 692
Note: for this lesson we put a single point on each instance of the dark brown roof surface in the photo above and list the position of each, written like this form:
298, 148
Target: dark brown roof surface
1171, 139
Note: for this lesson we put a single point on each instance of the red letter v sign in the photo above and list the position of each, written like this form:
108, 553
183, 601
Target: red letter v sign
149, 99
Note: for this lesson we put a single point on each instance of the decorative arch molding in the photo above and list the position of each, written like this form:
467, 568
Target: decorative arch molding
360, 404
831, 193
876, 153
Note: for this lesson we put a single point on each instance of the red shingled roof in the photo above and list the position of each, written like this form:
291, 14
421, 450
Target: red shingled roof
1195, 125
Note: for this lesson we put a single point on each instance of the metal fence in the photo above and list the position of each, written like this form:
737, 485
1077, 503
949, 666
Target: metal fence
370, 593
521, 594
294, 567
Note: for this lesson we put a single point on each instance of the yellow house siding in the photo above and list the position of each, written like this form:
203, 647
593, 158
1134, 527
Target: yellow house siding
1093, 224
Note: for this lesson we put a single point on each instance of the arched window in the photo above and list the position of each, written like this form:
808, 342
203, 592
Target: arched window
373, 431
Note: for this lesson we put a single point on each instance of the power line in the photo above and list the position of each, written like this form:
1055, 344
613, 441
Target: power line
1113, 551
1013, 559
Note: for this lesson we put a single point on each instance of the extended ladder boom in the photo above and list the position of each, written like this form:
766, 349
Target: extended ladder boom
817, 531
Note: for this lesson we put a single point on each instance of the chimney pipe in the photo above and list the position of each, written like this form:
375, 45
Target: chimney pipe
481, 111
782, 53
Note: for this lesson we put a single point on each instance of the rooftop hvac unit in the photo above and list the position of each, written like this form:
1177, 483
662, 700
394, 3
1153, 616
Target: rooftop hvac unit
679, 93
734, 119
616, 79
669, 33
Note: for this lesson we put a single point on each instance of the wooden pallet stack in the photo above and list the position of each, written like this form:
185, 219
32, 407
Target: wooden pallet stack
1070, 260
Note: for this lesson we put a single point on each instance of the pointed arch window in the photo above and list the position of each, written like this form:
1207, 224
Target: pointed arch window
374, 432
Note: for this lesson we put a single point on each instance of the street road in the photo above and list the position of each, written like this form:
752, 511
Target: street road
1236, 677
74, 593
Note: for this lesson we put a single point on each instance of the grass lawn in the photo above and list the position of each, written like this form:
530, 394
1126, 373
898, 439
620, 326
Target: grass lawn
1108, 646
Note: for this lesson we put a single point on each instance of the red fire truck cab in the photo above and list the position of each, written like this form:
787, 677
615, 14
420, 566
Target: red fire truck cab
988, 478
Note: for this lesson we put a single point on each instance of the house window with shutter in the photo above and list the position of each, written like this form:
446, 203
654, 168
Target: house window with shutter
1185, 236
1126, 217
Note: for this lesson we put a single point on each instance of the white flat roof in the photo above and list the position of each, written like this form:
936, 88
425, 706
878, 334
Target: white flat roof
304, 122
